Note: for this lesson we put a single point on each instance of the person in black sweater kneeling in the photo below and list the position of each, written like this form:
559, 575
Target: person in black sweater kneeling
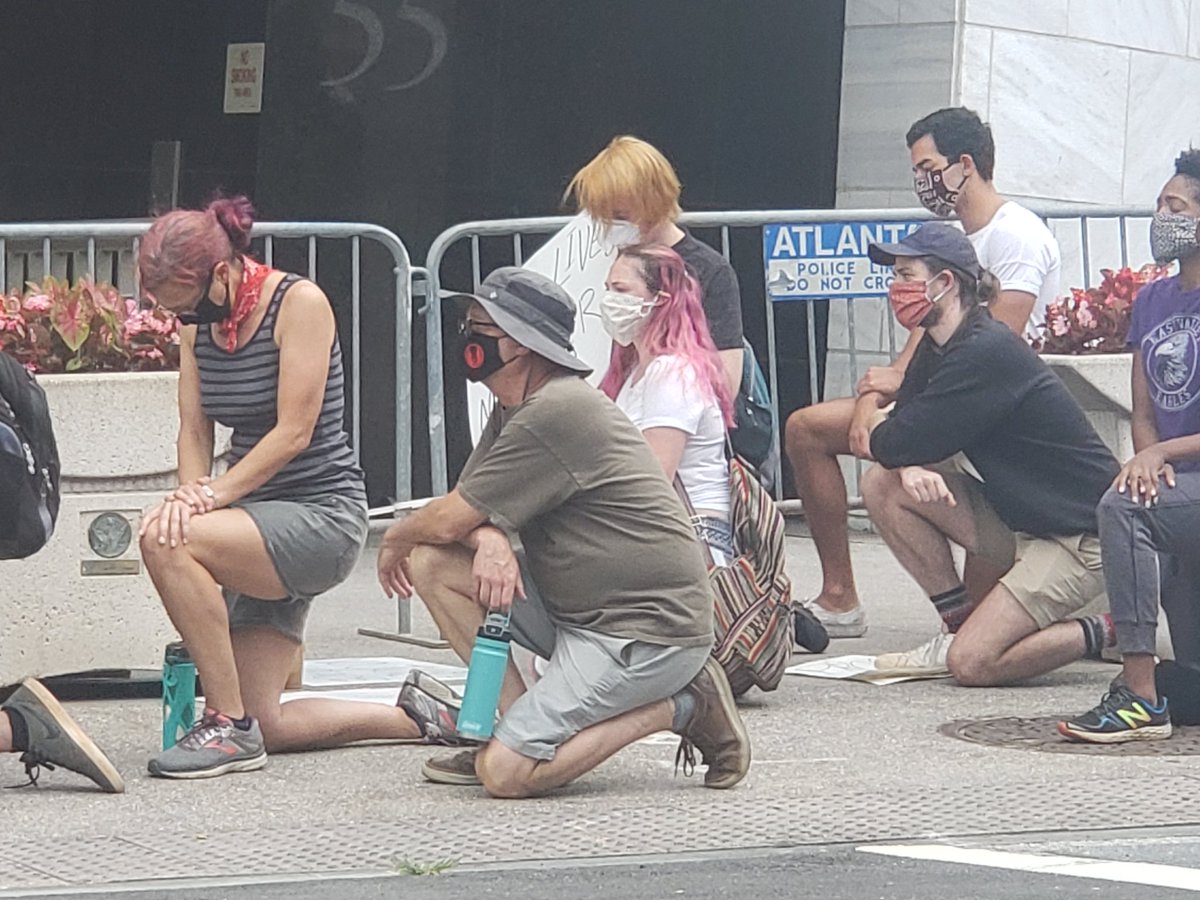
985, 448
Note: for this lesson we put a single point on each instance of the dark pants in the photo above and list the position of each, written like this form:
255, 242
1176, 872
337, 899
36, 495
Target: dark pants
1150, 560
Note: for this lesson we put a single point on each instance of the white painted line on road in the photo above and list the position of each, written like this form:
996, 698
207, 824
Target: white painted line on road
1150, 874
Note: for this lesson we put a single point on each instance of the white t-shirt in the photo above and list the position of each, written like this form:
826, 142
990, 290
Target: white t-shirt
1018, 248
670, 395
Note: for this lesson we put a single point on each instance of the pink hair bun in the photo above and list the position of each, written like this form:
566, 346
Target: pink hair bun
236, 217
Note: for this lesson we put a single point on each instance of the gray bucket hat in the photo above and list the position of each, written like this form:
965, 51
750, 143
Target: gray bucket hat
533, 311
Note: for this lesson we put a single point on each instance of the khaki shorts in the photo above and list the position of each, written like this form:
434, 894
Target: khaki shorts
590, 678
1051, 577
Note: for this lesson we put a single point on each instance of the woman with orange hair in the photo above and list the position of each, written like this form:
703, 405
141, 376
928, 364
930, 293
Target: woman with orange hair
631, 181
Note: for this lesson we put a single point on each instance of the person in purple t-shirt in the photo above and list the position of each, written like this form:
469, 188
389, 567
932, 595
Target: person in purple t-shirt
1152, 511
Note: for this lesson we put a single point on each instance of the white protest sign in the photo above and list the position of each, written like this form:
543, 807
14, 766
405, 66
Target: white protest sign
578, 259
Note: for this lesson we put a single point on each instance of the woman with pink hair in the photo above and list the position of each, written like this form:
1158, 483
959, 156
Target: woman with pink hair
237, 559
666, 375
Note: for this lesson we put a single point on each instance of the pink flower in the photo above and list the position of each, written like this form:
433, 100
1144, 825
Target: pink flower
1085, 317
38, 303
1059, 325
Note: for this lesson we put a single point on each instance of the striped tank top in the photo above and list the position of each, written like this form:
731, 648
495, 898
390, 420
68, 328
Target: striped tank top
240, 390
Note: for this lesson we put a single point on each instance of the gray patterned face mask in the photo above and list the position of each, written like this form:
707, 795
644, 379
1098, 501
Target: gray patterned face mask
1172, 236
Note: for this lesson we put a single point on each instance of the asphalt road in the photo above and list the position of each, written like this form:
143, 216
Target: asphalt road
830, 873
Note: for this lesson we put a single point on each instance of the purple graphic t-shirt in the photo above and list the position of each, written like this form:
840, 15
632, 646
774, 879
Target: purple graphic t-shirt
1165, 327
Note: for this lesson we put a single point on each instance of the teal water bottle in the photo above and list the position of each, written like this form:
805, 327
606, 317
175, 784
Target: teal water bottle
179, 694
485, 677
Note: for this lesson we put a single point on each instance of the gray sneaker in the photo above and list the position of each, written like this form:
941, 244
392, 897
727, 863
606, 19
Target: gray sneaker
55, 740
434, 706
214, 747
434, 687
453, 768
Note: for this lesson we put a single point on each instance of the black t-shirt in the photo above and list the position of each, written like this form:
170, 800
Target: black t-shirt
720, 293
986, 394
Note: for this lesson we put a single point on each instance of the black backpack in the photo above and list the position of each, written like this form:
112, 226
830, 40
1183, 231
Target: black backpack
754, 437
29, 468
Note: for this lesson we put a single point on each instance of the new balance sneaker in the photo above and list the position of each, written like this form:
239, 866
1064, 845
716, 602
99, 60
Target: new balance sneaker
215, 746
1121, 716
850, 624
452, 768
55, 740
925, 661
716, 730
434, 706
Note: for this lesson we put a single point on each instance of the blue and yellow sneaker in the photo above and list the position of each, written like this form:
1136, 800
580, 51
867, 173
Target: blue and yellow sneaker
1121, 716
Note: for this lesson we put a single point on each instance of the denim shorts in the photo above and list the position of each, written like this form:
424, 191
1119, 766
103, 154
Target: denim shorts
314, 545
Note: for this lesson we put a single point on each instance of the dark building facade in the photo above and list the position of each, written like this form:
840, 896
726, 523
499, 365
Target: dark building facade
417, 114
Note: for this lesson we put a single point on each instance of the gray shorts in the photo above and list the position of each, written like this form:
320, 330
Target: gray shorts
590, 678
314, 545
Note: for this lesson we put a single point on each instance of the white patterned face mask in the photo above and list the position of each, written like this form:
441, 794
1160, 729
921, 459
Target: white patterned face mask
623, 315
1172, 236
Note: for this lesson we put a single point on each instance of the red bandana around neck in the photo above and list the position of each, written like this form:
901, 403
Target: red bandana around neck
253, 275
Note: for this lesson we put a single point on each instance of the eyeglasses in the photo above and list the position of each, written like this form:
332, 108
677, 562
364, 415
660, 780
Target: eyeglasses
468, 326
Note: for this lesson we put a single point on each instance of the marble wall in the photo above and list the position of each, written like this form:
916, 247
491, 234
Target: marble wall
1089, 100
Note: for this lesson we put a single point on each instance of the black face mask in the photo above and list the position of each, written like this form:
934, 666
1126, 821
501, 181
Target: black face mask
206, 312
481, 354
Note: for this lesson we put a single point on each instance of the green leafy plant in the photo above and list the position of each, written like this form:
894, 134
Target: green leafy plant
86, 327
1096, 320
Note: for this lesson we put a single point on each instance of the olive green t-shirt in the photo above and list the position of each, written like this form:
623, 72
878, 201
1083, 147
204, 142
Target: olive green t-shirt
606, 539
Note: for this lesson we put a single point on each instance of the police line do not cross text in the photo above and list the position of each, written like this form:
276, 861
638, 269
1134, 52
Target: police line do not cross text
828, 260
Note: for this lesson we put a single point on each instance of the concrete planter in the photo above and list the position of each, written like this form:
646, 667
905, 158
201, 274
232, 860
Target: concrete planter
85, 601
1101, 384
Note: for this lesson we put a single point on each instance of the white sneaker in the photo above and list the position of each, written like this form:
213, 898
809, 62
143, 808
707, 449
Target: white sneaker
849, 624
927, 660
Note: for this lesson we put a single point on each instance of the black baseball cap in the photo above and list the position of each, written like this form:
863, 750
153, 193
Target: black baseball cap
938, 239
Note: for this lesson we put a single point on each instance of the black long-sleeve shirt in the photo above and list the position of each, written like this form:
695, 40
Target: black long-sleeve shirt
986, 394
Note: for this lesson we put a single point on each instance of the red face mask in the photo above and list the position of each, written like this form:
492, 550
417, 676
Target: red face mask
910, 302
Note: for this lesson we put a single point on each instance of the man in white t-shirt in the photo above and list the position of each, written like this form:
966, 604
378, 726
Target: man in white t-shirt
953, 158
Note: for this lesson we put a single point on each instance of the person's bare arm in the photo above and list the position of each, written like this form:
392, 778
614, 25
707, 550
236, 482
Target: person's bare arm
1013, 308
731, 361
667, 445
886, 380
195, 443
1142, 422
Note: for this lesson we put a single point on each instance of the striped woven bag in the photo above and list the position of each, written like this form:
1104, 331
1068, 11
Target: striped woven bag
752, 596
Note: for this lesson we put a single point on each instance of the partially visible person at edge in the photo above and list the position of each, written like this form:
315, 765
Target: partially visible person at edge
953, 161
985, 449
34, 724
1150, 517
666, 376
238, 559
631, 181
610, 587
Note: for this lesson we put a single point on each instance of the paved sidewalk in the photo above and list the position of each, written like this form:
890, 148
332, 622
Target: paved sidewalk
834, 761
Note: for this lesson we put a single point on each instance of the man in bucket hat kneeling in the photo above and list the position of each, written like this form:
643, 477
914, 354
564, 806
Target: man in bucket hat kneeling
609, 586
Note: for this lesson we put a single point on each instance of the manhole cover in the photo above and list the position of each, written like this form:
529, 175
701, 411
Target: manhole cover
1041, 734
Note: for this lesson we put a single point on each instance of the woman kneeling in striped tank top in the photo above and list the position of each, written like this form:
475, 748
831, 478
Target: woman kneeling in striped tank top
238, 558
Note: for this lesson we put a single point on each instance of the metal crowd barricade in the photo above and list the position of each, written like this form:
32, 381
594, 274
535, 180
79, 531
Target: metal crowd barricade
108, 251
1089, 237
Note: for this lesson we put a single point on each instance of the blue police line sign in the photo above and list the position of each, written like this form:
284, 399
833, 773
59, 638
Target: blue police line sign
828, 260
